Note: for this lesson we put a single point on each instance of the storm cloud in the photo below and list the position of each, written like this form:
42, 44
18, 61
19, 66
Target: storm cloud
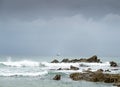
69, 27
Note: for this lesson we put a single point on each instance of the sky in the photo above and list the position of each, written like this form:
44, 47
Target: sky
65, 27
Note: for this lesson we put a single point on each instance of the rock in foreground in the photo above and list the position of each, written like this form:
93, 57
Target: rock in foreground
57, 77
97, 76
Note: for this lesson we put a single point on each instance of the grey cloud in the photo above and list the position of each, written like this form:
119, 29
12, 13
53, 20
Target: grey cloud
47, 27
33, 9
75, 35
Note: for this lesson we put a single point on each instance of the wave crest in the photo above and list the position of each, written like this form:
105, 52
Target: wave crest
27, 74
23, 63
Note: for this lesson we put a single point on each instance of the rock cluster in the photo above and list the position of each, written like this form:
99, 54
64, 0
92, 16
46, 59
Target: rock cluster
97, 76
91, 59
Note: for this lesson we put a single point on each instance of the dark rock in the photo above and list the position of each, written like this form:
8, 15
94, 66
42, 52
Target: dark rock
83, 60
55, 61
65, 60
113, 64
107, 70
74, 68
111, 78
59, 69
76, 76
97, 76
57, 77
93, 59
74, 60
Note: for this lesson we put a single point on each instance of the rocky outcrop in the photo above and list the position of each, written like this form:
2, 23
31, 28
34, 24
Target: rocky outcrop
113, 64
55, 61
91, 59
57, 77
91, 76
97, 76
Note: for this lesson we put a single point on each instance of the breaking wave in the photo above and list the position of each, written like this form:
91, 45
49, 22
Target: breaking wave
28, 74
36, 68
20, 63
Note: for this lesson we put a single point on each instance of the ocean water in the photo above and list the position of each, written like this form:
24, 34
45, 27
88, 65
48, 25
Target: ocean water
39, 72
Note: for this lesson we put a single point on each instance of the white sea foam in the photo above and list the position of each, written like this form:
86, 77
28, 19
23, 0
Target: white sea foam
67, 65
30, 74
37, 68
83, 66
21, 63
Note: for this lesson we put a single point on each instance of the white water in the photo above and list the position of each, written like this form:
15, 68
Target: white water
36, 68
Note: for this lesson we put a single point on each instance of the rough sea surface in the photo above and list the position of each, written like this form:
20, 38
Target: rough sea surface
39, 72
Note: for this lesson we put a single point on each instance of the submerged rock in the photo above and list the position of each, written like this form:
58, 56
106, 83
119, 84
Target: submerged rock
57, 77
55, 61
83, 65
74, 68
71, 68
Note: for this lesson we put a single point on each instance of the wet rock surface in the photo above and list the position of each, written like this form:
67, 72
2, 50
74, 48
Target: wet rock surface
91, 59
57, 77
74, 68
113, 64
97, 76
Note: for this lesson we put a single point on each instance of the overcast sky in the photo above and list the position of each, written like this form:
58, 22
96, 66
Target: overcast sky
68, 27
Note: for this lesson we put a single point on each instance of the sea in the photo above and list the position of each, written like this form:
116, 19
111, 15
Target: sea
38, 71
